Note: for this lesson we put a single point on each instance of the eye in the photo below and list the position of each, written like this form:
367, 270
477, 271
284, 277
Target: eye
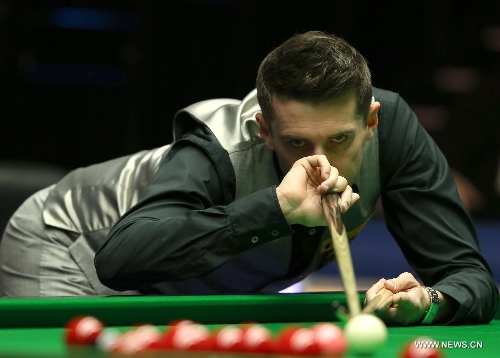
338, 139
296, 142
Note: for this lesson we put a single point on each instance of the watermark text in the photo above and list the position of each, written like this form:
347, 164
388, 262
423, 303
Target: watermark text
449, 344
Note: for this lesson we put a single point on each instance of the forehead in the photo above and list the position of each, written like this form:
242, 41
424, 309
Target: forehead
289, 114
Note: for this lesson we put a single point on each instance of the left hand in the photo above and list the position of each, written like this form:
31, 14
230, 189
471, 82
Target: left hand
409, 302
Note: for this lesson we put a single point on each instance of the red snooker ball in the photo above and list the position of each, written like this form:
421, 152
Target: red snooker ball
180, 322
137, 340
191, 337
330, 339
421, 347
228, 339
257, 339
183, 336
297, 340
83, 330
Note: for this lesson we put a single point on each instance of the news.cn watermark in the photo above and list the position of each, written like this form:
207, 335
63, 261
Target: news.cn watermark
449, 344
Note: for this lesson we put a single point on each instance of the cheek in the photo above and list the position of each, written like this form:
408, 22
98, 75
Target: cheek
285, 158
349, 164
347, 160
286, 163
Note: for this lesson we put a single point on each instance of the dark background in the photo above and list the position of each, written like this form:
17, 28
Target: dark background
85, 81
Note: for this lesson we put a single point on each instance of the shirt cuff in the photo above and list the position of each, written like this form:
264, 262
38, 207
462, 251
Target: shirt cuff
257, 219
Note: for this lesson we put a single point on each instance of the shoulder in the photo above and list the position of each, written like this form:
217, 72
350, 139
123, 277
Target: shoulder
231, 121
391, 103
395, 115
384, 95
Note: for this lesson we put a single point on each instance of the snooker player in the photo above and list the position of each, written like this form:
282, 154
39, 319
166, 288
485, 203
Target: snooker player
233, 204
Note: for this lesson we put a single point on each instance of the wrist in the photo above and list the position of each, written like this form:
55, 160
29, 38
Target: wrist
286, 207
434, 306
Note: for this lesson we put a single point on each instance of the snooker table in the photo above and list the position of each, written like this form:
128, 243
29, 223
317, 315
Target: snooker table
34, 327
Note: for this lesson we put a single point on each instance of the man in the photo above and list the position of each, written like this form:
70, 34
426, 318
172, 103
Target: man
234, 204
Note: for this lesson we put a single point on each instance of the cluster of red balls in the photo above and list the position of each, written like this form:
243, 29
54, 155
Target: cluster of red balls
185, 335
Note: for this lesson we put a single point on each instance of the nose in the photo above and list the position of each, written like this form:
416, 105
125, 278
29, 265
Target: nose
319, 150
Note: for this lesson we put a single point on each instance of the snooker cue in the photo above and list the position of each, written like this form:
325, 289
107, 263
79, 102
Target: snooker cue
340, 311
384, 295
331, 208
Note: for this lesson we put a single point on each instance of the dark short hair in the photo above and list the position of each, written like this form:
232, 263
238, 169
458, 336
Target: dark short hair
314, 67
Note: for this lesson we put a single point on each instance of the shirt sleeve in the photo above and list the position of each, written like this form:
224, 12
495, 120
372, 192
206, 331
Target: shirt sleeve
187, 223
424, 213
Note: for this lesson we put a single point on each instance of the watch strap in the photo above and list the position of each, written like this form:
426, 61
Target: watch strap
431, 313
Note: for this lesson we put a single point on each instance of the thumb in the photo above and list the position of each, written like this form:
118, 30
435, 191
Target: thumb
402, 282
401, 299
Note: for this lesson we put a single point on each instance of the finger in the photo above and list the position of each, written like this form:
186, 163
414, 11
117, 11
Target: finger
313, 173
381, 302
346, 199
404, 281
328, 185
385, 302
406, 309
392, 285
372, 291
401, 298
390, 316
318, 169
334, 184
320, 161
326, 168
406, 301
340, 184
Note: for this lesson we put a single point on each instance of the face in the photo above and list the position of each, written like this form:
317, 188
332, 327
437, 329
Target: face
332, 128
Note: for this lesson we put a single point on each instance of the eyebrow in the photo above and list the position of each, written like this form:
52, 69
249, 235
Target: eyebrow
338, 134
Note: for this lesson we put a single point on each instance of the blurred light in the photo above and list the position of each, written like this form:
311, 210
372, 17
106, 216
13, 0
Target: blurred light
75, 74
296, 288
433, 118
452, 79
92, 19
491, 38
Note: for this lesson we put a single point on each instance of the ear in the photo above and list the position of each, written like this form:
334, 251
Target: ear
264, 130
372, 121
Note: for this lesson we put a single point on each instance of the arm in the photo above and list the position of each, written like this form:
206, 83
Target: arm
426, 217
187, 223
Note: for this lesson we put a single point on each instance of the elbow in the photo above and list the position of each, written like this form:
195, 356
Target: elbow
110, 262
107, 272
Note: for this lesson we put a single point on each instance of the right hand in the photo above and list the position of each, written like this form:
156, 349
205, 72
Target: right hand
300, 191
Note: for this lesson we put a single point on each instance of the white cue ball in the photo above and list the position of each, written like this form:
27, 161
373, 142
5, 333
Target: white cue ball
365, 333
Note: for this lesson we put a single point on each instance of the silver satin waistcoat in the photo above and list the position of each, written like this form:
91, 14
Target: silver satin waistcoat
90, 201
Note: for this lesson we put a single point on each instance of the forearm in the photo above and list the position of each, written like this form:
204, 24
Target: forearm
448, 308
144, 250
471, 296
424, 213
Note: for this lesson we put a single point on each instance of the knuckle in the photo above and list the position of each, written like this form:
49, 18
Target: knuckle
406, 275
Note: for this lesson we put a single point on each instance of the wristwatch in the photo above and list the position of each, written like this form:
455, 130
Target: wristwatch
431, 313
